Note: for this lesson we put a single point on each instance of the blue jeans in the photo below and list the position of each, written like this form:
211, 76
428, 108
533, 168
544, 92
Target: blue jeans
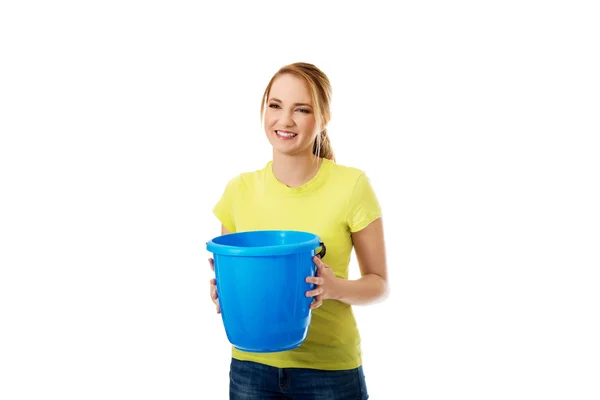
253, 381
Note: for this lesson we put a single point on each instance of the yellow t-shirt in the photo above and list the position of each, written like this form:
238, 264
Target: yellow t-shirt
339, 200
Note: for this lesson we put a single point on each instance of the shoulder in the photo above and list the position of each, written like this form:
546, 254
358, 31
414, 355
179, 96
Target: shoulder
248, 178
349, 175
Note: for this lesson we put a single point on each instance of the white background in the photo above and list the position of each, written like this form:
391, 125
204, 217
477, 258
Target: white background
122, 121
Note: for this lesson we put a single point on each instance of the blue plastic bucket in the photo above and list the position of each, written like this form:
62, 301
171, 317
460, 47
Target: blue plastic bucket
261, 284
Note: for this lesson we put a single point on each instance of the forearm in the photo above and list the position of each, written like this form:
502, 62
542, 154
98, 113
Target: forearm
370, 288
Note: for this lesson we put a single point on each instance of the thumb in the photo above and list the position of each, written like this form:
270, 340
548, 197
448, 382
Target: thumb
318, 262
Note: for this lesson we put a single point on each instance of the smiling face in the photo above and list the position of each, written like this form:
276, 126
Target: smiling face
290, 122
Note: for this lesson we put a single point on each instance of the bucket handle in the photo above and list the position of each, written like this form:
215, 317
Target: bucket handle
323, 250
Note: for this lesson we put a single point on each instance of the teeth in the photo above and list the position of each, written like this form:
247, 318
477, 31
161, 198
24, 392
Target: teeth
287, 135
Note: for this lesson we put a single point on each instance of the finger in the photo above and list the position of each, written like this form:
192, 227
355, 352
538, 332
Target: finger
317, 301
316, 292
214, 294
212, 263
218, 309
319, 263
213, 282
317, 280
316, 304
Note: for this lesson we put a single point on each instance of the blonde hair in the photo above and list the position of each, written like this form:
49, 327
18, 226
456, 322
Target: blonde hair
320, 89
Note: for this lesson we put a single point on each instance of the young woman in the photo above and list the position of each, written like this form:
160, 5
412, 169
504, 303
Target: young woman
302, 188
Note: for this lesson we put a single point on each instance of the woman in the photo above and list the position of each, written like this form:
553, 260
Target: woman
302, 188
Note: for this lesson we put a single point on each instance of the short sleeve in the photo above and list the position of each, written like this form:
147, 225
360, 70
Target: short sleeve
224, 210
363, 207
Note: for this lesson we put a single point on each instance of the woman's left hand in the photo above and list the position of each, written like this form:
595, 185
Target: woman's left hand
326, 282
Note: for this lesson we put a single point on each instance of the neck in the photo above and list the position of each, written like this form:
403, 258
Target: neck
295, 170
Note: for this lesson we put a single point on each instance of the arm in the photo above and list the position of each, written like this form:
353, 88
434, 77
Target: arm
371, 287
214, 295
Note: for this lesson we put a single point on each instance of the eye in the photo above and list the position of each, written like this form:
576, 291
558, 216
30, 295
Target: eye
273, 105
304, 110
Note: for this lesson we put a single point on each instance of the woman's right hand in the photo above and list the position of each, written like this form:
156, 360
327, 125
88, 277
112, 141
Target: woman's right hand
213, 287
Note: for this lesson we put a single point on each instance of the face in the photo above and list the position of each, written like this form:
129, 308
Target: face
290, 122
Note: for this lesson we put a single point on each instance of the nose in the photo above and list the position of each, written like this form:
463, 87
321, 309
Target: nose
287, 118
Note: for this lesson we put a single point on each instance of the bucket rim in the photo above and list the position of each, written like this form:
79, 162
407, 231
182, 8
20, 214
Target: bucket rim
272, 250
